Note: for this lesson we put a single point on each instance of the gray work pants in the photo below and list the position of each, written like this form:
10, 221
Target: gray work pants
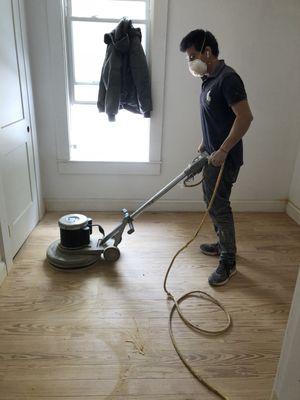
220, 212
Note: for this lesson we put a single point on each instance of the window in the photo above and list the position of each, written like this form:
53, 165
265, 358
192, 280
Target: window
91, 136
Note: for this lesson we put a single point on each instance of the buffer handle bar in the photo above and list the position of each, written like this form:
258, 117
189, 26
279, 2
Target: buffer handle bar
193, 169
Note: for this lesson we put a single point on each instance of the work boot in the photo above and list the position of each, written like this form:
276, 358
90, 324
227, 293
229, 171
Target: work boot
210, 249
222, 274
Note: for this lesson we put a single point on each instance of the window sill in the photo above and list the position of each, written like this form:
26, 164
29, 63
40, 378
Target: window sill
109, 168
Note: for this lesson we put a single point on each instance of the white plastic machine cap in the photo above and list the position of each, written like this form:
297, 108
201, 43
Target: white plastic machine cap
72, 222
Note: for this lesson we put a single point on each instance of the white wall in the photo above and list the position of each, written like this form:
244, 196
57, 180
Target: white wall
260, 40
293, 207
287, 382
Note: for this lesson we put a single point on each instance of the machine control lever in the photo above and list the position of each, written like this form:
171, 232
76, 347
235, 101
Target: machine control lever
197, 165
129, 220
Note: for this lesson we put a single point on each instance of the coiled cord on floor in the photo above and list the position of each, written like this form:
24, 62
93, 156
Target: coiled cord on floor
200, 294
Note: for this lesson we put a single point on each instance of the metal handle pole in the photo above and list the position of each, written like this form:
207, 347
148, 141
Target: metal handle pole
193, 169
120, 228
159, 194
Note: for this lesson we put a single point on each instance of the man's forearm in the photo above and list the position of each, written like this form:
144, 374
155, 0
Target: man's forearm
238, 130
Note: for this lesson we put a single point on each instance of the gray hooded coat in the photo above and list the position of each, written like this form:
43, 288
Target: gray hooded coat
125, 81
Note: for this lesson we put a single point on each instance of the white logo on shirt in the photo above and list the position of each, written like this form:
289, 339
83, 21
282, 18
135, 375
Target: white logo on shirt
208, 97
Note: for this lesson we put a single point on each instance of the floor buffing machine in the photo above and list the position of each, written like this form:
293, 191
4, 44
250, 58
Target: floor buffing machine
77, 249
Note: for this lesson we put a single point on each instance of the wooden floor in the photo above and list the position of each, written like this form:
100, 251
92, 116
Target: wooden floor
103, 333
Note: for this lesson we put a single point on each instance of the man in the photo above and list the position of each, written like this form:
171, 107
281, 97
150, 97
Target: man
225, 118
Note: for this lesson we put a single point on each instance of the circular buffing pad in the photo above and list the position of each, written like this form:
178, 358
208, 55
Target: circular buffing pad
68, 260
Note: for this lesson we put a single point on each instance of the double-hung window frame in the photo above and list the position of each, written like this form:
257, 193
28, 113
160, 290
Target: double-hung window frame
70, 48
59, 80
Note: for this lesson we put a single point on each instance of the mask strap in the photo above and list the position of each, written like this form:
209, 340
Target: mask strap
203, 42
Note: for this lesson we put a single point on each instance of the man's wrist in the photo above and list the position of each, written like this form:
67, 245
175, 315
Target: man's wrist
224, 151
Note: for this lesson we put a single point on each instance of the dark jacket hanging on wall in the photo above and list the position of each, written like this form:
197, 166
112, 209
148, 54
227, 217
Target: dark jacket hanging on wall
125, 81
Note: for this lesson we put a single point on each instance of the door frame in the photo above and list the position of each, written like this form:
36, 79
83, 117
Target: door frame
33, 130
5, 242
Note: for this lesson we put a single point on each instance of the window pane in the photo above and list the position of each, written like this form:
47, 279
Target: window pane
89, 48
86, 92
109, 9
94, 138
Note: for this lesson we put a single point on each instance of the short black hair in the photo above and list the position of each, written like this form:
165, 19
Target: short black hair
195, 38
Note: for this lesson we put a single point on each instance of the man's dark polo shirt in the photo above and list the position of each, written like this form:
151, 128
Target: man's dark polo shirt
220, 91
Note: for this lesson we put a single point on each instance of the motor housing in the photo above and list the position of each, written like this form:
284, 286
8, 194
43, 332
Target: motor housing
75, 231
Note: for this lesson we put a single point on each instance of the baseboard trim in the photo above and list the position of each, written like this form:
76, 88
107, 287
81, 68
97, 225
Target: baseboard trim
3, 272
274, 396
293, 211
53, 204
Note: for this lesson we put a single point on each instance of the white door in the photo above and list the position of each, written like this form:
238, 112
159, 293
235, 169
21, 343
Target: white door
18, 202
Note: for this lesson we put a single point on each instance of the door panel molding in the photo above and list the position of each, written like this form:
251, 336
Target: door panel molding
12, 67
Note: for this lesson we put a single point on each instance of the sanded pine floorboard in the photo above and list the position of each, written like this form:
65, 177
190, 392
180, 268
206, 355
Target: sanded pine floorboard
102, 333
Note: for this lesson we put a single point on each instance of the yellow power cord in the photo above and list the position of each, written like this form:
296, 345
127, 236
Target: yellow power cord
196, 293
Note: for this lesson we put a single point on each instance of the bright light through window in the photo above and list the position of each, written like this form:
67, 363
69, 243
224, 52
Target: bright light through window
116, 9
92, 136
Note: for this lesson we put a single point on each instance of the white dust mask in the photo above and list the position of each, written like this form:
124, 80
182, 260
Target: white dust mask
197, 67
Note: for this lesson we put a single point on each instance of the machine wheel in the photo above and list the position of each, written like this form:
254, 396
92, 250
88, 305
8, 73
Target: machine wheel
111, 253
